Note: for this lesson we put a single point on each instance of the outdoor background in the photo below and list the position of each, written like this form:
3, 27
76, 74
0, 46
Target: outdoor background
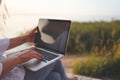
94, 42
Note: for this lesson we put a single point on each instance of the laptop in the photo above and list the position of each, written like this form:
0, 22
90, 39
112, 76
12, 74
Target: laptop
51, 41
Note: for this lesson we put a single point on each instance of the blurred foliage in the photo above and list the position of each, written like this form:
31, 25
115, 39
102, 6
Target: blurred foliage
100, 66
101, 41
91, 67
93, 36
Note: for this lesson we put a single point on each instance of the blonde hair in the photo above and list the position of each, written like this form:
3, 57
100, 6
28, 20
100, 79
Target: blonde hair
3, 17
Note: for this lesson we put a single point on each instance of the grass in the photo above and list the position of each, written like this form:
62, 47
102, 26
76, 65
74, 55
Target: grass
89, 67
98, 66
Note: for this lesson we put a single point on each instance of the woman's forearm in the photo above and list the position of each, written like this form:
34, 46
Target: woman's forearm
28, 37
8, 64
17, 41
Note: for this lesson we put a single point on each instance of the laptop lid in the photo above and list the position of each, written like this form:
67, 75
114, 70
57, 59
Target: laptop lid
53, 35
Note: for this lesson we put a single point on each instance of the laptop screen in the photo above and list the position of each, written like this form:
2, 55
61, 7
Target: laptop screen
53, 34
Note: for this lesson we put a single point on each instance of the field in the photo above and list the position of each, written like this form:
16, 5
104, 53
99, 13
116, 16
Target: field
99, 42
69, 62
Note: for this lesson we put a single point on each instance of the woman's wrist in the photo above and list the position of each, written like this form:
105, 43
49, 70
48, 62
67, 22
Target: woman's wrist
25, 38
28, 38
17, 59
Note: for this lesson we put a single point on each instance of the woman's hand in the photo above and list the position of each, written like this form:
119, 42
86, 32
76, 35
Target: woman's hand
10, 62
27, 55
30, 36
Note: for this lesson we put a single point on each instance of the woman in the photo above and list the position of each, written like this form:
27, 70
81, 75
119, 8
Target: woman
11, 70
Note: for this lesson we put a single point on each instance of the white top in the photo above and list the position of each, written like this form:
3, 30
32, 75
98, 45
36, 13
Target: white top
16, 73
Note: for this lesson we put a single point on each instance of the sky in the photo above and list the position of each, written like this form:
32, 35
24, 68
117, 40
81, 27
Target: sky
73, 8
24, 14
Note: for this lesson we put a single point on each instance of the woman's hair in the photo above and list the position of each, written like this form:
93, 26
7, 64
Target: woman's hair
3, 17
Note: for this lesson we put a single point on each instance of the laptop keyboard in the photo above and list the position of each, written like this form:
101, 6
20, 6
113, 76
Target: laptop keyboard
47, 56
